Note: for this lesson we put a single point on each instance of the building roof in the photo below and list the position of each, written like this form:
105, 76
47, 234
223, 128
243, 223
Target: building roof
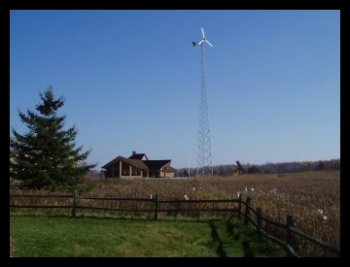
156, 164
111, 162
138, 156
133, 162
136, 161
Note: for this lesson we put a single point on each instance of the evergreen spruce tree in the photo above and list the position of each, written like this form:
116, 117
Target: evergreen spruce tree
46, 156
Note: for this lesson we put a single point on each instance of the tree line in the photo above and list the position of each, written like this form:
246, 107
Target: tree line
284, 167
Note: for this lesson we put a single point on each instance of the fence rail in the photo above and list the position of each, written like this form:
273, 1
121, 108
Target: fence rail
273, 222
315, 240
41, 206
201, 201
43, 196
245, 214
117, 198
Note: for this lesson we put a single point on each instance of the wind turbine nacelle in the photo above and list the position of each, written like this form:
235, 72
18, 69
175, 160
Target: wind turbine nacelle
194, 43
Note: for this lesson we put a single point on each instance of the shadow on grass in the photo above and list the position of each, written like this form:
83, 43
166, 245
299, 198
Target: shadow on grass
247, 249
215, 236
235, 230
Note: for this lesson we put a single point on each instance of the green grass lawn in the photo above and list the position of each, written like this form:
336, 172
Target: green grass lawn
105, 237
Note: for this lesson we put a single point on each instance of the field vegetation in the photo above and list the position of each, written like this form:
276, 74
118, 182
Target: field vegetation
312, 198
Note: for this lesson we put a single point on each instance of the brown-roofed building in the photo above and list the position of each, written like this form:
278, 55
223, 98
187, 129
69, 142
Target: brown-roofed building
141, 156
138, 166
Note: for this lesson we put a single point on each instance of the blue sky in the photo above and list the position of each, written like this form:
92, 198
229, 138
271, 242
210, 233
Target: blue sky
131, 80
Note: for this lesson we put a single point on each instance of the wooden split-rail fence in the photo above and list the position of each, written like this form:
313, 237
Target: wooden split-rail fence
248, 214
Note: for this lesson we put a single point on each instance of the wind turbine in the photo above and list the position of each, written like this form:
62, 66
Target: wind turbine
204, 147
203, 40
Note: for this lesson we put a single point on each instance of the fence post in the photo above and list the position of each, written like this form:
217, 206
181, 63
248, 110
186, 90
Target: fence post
259, 223
240, 206
75, 200
290, 224
156, 208
246, 213
177, 210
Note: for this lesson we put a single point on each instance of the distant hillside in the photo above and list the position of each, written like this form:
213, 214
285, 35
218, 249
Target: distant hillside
284, 167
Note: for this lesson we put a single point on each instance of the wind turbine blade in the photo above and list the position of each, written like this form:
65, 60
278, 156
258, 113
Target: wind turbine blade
208, 43
203, 33
200, 42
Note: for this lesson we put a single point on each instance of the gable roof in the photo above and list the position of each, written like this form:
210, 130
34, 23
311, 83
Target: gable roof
137, 163
133, 162
156, 164
138, 156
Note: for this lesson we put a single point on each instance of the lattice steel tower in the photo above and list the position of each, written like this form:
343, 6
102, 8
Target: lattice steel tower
205, 167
